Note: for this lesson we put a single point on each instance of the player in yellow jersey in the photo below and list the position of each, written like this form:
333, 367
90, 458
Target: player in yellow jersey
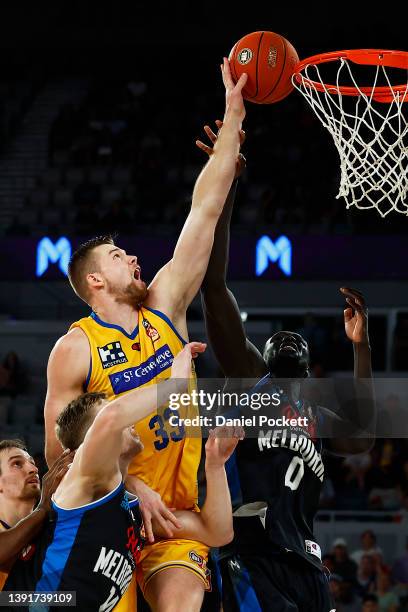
19, 494
130, 340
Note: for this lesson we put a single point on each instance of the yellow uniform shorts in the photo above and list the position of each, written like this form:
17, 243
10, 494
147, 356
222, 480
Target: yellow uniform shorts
187, 554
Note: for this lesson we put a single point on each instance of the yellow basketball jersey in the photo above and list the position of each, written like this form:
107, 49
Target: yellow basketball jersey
121, 362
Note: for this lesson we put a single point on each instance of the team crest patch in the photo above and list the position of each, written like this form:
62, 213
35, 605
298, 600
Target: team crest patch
111, 354
151, 331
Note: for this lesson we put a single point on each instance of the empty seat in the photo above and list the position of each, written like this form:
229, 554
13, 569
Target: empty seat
39, 198
110, 194
74, 176
52, 177
51, 216
4, 409
121, 175
23, 412
99, 175
63, 198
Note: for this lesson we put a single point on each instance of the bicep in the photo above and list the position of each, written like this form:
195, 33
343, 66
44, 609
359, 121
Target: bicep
66, 374
236, 355
191, 256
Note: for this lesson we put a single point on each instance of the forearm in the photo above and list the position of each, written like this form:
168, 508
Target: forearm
357, 407
138, 404
213, 184
216, 513
213, 525
216, 274
13, 540
362, 360
53, 449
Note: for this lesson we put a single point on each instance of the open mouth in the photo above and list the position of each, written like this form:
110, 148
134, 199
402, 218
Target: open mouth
288, 348
137, 273
35, 481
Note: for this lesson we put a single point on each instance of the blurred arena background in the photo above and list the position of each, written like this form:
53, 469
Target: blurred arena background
100, 107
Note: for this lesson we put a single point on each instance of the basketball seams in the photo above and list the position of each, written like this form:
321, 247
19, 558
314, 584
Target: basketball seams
283, 40
256, 67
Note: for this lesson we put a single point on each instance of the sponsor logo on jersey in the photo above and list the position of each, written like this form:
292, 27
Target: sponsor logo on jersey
134, 377
134, 544
111, 354
289, 413
151, 331
313, 548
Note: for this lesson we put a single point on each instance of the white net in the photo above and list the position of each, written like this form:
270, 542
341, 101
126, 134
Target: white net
371, 137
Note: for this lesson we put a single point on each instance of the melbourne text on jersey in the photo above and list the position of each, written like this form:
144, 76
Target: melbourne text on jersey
285, 438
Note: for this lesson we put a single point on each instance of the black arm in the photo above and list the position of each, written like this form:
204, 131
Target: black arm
236, 355
359, 408
13, 540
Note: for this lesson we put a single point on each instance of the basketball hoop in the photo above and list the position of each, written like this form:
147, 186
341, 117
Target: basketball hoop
368, 123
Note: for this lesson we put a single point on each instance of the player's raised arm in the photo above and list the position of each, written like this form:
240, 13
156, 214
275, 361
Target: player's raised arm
236, 355
67, 371
102, 445
361, 412
176, 285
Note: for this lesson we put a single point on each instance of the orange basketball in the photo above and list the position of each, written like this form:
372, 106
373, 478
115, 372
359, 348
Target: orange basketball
269, 60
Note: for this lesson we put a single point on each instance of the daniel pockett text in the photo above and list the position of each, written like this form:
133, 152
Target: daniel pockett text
231, 402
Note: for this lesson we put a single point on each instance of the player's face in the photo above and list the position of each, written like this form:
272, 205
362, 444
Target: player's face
121, 274
19, 478
287, 354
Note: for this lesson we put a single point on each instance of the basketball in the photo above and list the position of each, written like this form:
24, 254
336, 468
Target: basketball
269, 60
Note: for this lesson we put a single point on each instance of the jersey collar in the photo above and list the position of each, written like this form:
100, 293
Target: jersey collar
131, 336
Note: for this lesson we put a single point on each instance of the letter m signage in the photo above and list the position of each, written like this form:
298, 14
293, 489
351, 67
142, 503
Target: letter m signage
279, 252
50, 252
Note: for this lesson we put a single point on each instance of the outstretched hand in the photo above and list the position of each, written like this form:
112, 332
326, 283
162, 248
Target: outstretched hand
221, 443
53, 477
234, 101
181, 367
355, 316
212, 136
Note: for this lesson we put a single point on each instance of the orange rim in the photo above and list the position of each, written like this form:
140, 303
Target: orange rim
373, 57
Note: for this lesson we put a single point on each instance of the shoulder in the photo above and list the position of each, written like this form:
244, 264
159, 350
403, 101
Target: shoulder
75, 338
71, 350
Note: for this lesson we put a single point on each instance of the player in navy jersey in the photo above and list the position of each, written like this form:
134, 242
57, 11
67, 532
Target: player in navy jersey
92, 545
274, 563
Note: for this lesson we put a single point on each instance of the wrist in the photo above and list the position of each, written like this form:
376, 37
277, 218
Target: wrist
214, 465
362, 345
233, 115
